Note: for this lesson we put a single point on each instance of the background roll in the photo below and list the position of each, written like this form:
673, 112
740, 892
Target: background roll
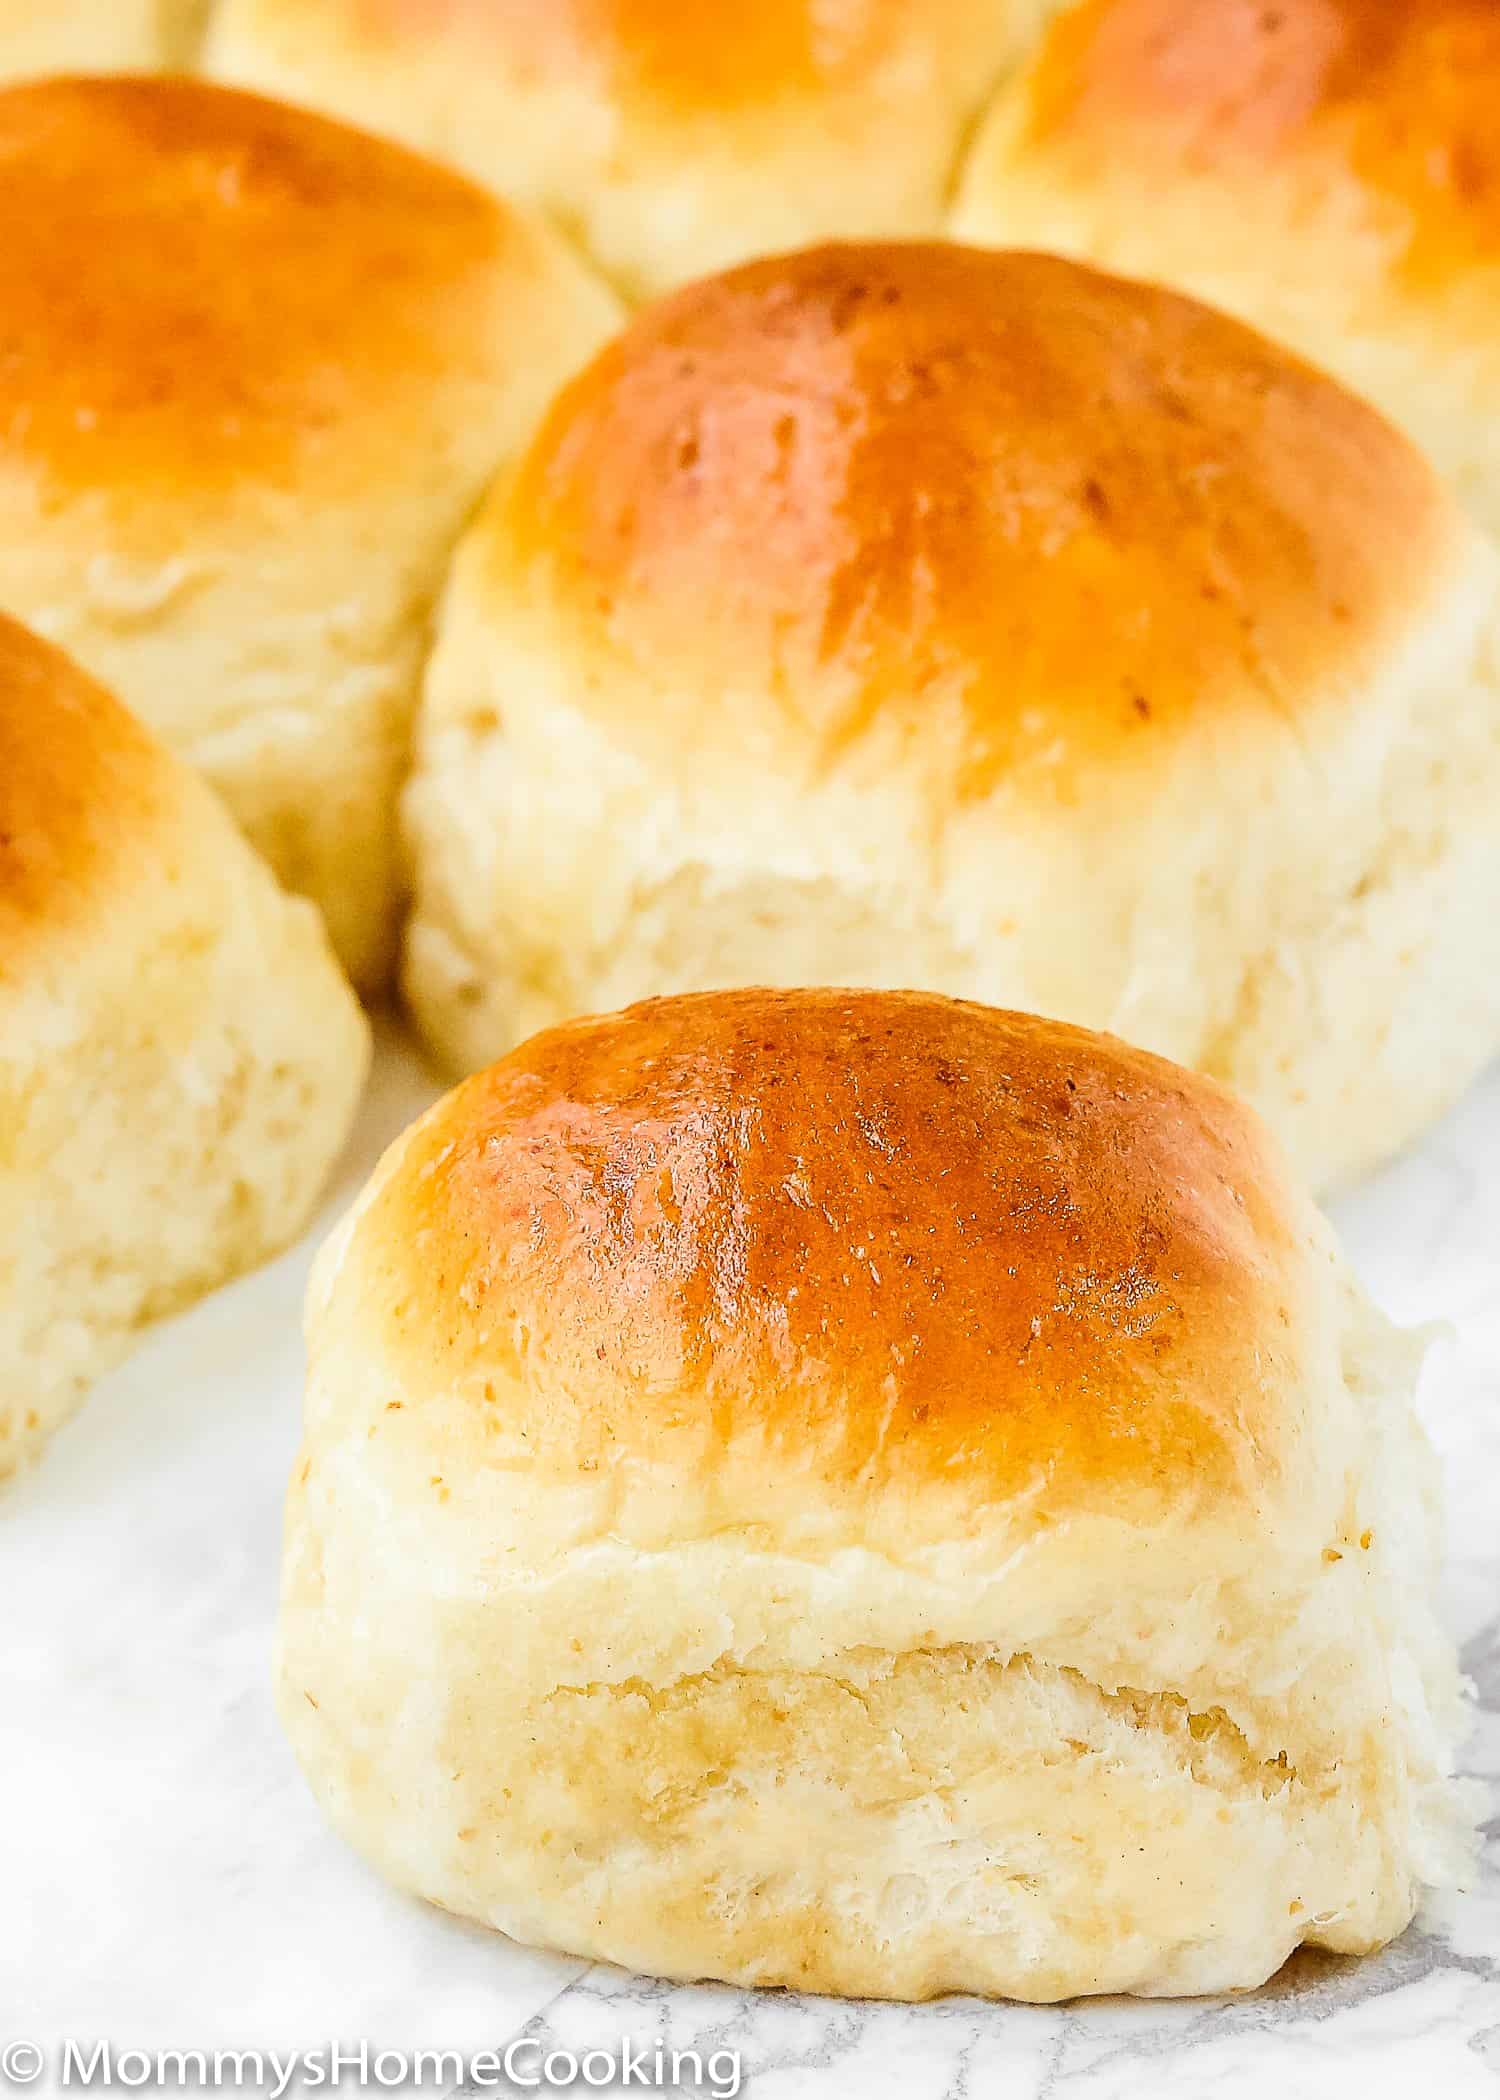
670, 136
56, 36
258, 368
179, 1054
913, 615
871, 1494
1327, 169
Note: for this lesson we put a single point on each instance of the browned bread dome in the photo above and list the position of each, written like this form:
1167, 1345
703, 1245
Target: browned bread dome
861, 1491
911, 614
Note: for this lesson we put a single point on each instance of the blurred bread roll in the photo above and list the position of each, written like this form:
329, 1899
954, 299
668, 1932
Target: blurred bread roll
257, 368
912, 615
53, 36
1329, 170
180, 1055
870, 1494
671, 136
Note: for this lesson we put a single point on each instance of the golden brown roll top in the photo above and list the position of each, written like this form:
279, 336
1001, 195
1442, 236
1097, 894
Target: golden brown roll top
675, 138
1393, 100
1023, 517
814, 1258
1327, 169
257, 368
157, 227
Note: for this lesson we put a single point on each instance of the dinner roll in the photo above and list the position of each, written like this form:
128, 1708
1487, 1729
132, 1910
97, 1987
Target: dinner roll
1327, 169
918, 616
255, 371
672, 136
48, 36
863, 1492
179, 1054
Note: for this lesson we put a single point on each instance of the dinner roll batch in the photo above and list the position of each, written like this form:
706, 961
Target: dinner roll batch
257, 369
179, 1054
671, 136
916, 615
872, 1494
881, 1482
1327, 169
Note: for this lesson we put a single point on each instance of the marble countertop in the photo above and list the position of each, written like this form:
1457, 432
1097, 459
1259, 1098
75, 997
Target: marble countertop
166, 1882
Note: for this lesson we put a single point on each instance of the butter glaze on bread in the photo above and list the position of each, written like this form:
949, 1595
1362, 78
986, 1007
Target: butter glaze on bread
1329, 170
863, 1492
911, 614
670, 136
257, 369
179, 1053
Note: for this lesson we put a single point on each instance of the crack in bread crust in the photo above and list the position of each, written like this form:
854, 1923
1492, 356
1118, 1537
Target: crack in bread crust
1211, 1745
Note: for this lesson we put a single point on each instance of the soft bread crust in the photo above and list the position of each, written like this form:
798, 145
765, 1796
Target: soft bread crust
181, 1055
726, 1263
674, 138
54, 36
864, 1492
912, 614
967, 459
1327, 169
240, 526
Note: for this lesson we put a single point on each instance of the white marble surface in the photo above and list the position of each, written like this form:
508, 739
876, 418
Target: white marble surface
165, 1882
